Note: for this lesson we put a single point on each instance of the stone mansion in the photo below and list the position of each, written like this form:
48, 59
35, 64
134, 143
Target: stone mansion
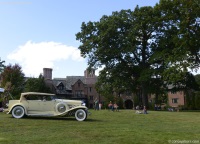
83, 87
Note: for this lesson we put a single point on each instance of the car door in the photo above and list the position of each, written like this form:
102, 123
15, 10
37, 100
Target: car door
48, 105
34, 106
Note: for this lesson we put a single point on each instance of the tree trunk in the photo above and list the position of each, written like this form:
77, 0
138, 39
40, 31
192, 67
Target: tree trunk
144, 95
156, 98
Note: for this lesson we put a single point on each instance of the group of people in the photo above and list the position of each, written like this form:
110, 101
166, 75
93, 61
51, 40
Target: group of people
113, 107
144, 110
157, 107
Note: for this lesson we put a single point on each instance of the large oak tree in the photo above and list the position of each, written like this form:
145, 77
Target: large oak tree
144, 49
123, 43
179, 44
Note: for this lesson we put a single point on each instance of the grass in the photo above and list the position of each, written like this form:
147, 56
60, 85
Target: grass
124, 127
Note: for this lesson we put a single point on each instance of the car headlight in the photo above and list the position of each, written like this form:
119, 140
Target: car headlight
83, 104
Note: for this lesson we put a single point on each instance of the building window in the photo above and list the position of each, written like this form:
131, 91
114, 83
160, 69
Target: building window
175, 100
91, 97
78, 93
79, 84
60, 87
90, 89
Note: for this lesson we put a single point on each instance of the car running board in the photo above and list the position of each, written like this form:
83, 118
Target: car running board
42, 115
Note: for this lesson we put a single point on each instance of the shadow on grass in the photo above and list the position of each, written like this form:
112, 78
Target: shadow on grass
57, 118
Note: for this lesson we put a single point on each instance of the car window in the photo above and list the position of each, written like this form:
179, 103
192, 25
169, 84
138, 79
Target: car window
47, 97
40, 97
33, 97
53, 97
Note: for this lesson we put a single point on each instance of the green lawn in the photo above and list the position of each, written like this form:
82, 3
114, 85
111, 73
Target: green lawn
124, 127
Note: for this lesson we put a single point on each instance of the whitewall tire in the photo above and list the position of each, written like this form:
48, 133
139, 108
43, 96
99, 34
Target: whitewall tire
80, 115
18, 112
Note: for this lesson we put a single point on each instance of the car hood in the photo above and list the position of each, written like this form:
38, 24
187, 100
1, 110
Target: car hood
69, 101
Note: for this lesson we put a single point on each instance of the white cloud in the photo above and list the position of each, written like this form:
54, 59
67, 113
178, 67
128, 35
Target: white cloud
98, 70
33, 57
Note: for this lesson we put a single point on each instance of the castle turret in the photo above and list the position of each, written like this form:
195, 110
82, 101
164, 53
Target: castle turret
47, 73
90, 77
89, 73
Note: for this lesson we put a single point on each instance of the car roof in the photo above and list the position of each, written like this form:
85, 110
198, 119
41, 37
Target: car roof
36, 93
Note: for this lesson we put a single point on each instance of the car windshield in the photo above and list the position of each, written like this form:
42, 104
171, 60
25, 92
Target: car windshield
53, 97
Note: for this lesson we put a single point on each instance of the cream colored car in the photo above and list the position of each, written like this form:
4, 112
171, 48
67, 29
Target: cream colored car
44, 104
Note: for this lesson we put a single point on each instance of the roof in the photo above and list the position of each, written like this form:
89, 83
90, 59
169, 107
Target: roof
71, 80
57, 81
67, 82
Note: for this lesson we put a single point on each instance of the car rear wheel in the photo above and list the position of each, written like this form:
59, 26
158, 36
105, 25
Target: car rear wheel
18, 112
80, 115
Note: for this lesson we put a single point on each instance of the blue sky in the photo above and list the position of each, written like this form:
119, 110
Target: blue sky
41, 33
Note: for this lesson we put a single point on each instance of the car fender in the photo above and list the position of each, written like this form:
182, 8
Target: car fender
78, 107
18, 104
73, 109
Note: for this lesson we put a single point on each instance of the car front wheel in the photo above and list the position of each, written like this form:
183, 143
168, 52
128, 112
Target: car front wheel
18, 112
80, 115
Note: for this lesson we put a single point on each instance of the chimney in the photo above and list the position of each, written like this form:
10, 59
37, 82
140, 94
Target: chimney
47, 73
89, 73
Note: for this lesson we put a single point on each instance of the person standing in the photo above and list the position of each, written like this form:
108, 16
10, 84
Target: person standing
100, 105
110, 106
96, 104
145, 110
155, 107
116, 107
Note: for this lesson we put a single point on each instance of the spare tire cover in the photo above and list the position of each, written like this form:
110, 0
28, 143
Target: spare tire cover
61, 107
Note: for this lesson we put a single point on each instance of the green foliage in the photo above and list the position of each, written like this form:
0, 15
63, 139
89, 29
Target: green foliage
2, 66
36, 85
147, 48
123, 44
197, 92
197, 79
193, 100
151, 106
190, 103
136, 101
120, 103
13, 79
180, 27
197, 100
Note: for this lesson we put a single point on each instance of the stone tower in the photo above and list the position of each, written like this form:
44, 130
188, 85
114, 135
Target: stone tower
90, 77
47, 73
89, 73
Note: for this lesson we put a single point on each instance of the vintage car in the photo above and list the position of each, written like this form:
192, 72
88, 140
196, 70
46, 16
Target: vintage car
44, 104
